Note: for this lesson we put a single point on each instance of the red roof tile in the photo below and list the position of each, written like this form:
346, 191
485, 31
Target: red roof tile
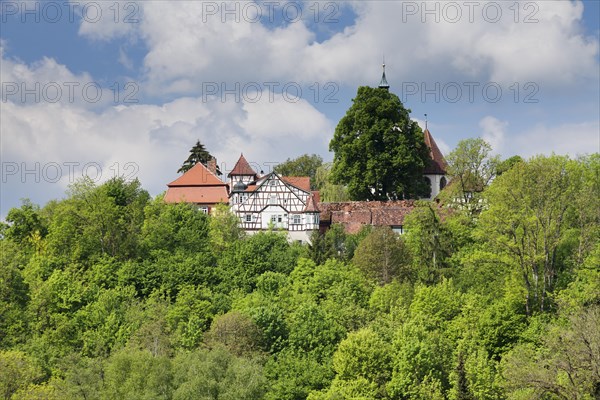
196, 194
355, 214
301, 182
198, 175
242, 168
438, 165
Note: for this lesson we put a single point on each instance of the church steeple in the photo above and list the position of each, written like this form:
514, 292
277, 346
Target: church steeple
383, 84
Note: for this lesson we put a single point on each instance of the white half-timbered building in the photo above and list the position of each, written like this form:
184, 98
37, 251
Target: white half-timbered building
272, 201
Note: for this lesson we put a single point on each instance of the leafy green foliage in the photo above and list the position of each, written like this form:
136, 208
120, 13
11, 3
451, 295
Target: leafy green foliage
382, 256
379, 152
304, 165
110, 295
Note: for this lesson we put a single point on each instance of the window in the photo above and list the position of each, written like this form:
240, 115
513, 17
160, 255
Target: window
203, 209
273, 218
279, 218
443, 183
296, 219
272, 183
273, 199
248, 217
398, 229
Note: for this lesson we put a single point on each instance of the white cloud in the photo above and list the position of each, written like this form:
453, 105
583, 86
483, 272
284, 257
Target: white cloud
493, 132
568, 138
47, 82
188, 46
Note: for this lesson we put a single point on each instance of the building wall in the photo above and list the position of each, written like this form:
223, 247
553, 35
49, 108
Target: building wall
435, 184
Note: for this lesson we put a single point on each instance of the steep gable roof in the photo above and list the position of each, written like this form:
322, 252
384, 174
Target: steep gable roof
438, 165
198, 175
242, 168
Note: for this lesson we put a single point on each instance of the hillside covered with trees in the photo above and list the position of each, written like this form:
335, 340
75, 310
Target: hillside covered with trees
110, 294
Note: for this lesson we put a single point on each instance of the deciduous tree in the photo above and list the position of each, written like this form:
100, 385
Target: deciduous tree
379, 151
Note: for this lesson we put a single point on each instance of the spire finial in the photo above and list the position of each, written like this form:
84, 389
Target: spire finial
425, 121
383, 84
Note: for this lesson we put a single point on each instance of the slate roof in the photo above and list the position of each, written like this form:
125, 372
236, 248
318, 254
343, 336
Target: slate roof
438, 165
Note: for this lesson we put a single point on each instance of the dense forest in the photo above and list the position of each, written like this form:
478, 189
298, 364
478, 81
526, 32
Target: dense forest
110, 294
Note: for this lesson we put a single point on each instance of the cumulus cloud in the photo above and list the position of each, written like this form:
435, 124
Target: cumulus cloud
568, 138
190, 43
493, 132
46, 146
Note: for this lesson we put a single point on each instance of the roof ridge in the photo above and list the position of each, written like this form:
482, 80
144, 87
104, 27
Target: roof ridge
198, 175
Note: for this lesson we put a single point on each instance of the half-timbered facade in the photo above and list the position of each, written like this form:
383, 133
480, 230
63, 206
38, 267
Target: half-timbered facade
275, 202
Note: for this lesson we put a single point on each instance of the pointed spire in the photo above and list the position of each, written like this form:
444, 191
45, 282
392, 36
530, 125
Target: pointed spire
242, 168
425, 121
383, 84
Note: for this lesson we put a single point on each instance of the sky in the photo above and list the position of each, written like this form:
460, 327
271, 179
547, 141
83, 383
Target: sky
106, 88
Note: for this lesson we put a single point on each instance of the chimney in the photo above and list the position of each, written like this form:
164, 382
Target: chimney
212, 165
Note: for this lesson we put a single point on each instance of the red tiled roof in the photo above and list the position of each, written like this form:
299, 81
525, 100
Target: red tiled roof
198, 175
242, 168
355, 214
438, 165
311, 205
196, 194
301, 182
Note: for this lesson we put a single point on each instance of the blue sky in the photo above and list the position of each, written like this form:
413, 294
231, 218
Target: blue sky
105, 88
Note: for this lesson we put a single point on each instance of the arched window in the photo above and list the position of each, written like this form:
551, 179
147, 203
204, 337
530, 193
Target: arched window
443, 182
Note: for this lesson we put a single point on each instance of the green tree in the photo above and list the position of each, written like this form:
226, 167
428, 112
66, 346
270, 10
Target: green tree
236, 332
198, 154
304, 165
507, 164
224, 228
216, 375
472, 168
382, 256
363, 354
329, 191
17, 372
379, 151
137, 374
427, 241
292, 375
24, 223
98, 220
527, 219
567, 366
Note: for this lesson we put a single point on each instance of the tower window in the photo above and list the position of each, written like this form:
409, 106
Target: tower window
443, 182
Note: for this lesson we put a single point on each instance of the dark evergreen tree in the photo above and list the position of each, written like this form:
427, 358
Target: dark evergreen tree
198, 154
379, 152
